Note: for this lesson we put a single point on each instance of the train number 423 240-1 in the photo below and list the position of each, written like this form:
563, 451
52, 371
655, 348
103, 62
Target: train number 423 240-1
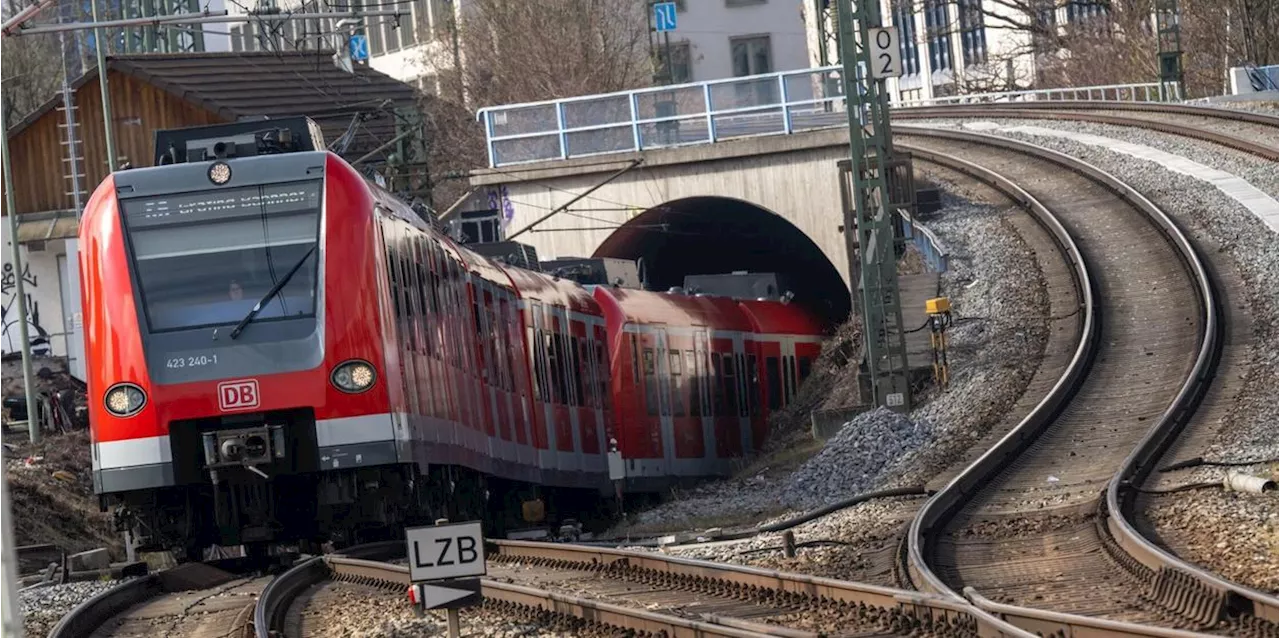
192, 362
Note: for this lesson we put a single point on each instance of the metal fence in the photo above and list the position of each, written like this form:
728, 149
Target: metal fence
706, 112
935, 253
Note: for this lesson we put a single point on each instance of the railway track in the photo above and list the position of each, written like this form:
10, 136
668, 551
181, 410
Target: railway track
214, 599
1025, 524
568, 585
1252, 133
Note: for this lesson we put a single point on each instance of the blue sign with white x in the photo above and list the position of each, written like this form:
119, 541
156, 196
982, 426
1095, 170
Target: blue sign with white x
664, 17
359, 47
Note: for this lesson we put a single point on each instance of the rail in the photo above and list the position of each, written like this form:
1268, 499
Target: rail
697, 113
1179, 587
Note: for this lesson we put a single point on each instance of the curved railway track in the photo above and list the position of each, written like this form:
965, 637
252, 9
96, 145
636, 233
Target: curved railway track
1233, 129
1024, 524
191, 600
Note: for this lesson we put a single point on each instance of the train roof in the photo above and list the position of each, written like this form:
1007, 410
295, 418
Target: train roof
543, 288
775, 317
645, 307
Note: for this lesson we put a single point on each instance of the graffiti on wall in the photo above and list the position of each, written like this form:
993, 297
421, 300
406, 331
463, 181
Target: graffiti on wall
499, 200
38, 336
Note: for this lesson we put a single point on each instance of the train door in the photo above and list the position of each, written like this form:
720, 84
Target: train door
657, 397
685, 419
543, 418
605, 429
700, 394
558, 363
585, 386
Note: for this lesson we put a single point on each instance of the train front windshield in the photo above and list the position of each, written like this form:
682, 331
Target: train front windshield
204, 259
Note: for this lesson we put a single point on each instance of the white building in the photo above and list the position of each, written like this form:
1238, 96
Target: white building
951, 47
396, 48
717, 39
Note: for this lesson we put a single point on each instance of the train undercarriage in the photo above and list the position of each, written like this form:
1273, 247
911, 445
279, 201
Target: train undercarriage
345, 507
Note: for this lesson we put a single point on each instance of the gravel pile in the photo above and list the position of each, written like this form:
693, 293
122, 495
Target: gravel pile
855, 459
43, 607
1232, 238
1000, 305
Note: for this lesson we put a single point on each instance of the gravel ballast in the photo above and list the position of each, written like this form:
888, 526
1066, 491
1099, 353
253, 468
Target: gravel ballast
43, 607
1198, 521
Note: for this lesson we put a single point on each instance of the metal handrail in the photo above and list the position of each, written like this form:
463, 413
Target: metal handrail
776, 114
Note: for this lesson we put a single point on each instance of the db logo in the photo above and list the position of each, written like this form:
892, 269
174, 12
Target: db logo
238, 395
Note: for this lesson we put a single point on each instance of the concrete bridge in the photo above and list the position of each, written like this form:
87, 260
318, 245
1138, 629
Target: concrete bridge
698, 178
760, 204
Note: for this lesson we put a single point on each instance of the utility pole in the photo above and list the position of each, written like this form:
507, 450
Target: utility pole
102, 88
10, 614
1169, 57
868, 208
19, 291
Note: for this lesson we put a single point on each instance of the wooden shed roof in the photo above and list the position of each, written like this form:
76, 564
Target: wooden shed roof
247, 84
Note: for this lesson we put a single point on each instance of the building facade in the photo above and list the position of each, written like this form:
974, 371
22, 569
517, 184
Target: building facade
413, 49
717, 39
952, 47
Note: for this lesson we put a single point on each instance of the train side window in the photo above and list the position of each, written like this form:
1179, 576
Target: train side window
753, 384
694, 382
730, 387
791, 379
635, 361
552, 345
582, 369
650, 384
745, 381
602, 374
773, 381
806, 367
535, 352
717, 390
677, 383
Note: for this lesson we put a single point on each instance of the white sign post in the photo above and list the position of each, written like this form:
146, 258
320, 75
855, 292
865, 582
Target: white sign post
445, 563
886, 57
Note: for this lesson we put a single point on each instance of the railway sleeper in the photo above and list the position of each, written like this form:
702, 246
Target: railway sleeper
911, 620
1180, 595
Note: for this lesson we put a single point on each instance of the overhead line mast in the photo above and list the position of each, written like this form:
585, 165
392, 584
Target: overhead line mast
869, 201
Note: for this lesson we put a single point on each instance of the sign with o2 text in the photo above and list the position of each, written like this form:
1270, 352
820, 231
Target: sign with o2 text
886, 57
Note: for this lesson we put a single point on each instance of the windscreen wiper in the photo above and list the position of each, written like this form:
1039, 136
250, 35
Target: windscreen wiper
271, 293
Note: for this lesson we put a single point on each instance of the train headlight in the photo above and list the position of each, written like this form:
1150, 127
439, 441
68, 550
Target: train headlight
353, 376
220, 173
125, 399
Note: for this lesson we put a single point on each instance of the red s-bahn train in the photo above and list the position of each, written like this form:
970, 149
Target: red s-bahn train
280, 351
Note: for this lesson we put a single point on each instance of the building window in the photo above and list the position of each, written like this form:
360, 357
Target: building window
935, 22
751, 55
680, 67
441, 16
973, 34
1080, 10
237, 38
905, 19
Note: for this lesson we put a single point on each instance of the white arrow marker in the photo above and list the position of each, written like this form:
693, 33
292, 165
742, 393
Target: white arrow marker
432, 596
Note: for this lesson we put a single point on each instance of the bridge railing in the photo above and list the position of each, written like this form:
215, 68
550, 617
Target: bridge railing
704, 113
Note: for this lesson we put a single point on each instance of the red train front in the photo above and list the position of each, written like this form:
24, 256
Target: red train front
279, 351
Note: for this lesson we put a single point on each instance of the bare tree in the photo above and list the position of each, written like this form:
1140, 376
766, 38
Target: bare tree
518, 51
32, 70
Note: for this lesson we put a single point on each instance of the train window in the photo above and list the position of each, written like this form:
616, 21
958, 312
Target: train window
676, 383
730, 387
602, 374
774, 382
551, 342
791, 379
650, 384
535, 353
695, 387
753, 384
579, 358
806, 366
635, 361
717, 391
744, 383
